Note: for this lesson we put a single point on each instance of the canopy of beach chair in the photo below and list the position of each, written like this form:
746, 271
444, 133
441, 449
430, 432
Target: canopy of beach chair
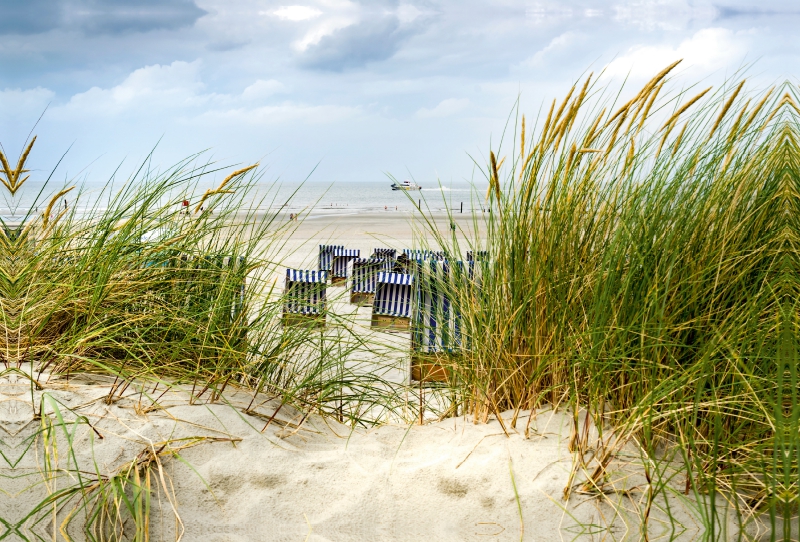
341, 258
393, 293
305, 291
365, 274
326, 256
477, 255
436, 321
415, 254
390, 253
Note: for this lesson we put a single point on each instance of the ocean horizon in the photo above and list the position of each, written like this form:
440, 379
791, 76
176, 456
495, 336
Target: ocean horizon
337, 196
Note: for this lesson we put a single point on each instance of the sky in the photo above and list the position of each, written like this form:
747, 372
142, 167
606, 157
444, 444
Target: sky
342, 90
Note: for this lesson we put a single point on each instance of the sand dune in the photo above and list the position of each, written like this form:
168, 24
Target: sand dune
220, 474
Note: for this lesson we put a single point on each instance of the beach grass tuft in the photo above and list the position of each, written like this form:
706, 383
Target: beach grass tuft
655, 286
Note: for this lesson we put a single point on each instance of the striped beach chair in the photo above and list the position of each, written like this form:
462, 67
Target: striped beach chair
391, 308
237, 268
388, 253
477, 255
436, 324
326, 256
341, 259
305, 300
401, 265
414, 254
364, 275
213, 284
407, 261
476, 269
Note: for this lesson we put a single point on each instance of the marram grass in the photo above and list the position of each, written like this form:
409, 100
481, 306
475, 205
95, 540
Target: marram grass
642, 266
648, 270
137, 287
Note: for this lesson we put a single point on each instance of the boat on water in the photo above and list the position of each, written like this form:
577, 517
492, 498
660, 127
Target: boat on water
406, 185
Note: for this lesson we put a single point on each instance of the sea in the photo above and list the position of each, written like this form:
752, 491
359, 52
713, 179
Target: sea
310, 197
363, 196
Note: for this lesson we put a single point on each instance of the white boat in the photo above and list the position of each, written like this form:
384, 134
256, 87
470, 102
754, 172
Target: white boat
406, 185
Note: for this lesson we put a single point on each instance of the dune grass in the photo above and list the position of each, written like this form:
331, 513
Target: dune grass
131, 284
644, 266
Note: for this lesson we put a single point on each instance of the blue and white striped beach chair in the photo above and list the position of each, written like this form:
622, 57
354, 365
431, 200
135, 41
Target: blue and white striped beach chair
389, 256
237, 271
414, 254
326, 256
477, 255
391, 308
305, 300
388, 253
402, 264
476, 270
436, 323
212, 283
364, 275
341, 259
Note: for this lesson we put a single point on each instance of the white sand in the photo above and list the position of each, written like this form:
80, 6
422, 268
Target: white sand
450, 480
367, 230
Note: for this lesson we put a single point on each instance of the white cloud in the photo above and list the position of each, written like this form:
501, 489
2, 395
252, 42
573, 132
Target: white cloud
708, 49
175, 88
338, 14
276, 114
445, 108
407, 13
151, 87
665, 14
294, 13
15, 100
326, 28
263, 89
176, 91
556, 43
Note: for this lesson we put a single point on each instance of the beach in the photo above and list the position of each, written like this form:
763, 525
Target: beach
366, 230
242, 466
386, 354
240, 469
217, 426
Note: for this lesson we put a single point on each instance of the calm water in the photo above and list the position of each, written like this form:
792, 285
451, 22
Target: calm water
341, 197
375, 196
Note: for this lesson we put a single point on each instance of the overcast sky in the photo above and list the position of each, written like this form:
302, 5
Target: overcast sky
361, 87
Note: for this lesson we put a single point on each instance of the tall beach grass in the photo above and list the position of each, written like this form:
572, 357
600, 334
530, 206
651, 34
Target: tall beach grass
642, 269
643, 266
